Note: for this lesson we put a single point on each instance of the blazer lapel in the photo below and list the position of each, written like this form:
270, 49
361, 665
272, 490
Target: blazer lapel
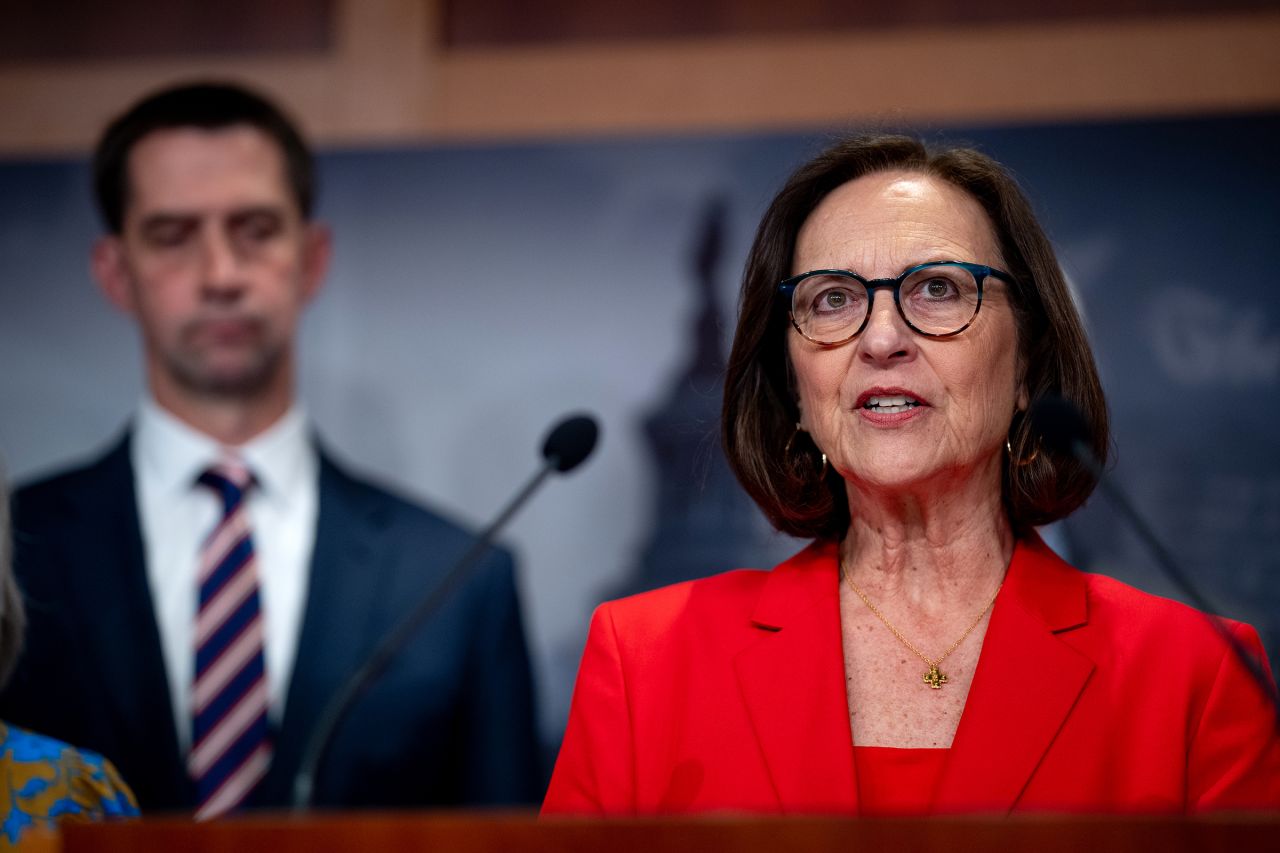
343, 590
1025, 685
792, 680
121, 633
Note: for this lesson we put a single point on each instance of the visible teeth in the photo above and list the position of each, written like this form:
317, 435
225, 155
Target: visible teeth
891, 405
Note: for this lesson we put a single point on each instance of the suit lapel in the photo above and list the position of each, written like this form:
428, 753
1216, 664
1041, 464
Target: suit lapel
1025, 685
121, 633
792, 681
343, 590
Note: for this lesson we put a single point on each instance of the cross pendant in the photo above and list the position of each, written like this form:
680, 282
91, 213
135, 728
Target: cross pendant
934, 678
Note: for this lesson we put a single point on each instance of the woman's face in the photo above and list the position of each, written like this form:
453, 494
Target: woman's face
960, 392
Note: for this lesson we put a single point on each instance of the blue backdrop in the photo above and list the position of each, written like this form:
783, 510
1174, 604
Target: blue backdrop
479, 292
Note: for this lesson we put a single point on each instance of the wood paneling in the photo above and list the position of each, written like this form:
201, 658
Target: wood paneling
966, 75
43, 31
385, 79
488, 23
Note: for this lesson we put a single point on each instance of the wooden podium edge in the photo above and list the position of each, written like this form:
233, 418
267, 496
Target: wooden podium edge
516, 831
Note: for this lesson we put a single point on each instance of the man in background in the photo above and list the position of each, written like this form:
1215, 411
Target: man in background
200, 592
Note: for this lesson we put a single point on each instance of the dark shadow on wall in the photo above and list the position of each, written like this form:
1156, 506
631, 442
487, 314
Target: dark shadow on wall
703, 521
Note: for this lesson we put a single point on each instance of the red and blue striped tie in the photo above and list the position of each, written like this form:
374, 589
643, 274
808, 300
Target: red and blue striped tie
230, 743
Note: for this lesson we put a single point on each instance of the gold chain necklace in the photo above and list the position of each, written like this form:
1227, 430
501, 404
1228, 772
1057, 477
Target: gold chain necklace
935, 678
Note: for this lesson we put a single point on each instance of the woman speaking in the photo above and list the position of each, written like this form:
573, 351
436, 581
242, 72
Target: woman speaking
927, 654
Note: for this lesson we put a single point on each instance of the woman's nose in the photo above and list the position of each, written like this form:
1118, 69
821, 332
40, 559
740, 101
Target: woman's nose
887, 337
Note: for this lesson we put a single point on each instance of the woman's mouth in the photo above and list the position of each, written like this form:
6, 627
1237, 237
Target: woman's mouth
890, 405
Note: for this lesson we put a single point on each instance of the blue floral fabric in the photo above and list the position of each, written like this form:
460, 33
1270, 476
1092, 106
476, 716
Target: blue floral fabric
45, 782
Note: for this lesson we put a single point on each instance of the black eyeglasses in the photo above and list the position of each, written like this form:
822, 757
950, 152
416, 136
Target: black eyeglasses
940, 299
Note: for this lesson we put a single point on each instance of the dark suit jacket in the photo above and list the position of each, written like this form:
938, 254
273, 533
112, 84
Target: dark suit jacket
729, 694
451, 722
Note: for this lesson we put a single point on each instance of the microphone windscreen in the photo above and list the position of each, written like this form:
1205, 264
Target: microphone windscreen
570, 442
1059, 424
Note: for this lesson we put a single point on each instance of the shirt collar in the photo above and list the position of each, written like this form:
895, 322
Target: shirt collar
174, 453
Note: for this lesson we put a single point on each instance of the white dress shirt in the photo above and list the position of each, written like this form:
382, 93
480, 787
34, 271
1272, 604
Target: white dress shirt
176, 513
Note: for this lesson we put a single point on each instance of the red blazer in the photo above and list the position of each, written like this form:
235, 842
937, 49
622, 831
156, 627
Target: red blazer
728, 693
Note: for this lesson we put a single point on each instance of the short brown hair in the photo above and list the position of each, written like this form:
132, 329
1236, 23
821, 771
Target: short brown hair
760, 412
206, 106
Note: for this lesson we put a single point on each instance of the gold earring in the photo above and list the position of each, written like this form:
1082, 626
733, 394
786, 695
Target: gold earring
1021, 463
786, 448
786, 452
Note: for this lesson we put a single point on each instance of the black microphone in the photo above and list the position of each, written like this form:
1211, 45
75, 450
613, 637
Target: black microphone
566, 447
571, 442
1063, 429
